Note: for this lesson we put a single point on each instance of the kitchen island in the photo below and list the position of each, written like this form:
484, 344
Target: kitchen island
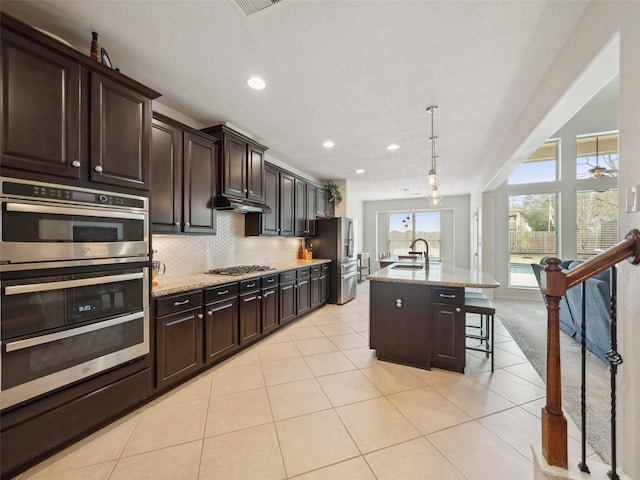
417, 313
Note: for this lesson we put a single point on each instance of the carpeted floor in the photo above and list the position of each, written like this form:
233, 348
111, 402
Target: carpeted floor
527, 324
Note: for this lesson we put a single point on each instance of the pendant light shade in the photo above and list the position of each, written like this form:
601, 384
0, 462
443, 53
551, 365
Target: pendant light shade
434, 198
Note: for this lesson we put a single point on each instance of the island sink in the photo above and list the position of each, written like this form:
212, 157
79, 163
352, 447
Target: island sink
408, 267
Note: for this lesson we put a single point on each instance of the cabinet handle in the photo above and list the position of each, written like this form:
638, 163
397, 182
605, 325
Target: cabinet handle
210, 313
457, 309
250, 191
223, 293
200, 315
175, 304
260, 297
279, 230
295, 286
177, 224
187, 224
398, 303
271, 280
245, 190
98, 169
76, 163
444, 295
252, 285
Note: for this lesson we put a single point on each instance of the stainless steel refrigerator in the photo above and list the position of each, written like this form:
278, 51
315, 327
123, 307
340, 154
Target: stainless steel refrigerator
334, 239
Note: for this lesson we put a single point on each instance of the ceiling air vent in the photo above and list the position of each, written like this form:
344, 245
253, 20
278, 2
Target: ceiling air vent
249, 7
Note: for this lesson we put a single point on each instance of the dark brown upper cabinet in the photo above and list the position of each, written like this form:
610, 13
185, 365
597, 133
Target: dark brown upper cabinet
183, 178
66, 116
120, 134
305, 208
279, 196
241, 172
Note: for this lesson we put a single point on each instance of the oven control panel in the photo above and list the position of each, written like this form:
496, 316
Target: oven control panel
35, 190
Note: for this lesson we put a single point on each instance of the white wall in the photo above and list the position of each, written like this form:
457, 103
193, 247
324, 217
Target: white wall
459, 204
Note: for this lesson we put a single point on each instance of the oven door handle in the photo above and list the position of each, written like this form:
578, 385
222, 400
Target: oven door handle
75, 211
82, 282
52, 337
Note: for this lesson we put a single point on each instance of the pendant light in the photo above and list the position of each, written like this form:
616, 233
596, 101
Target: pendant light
433, 196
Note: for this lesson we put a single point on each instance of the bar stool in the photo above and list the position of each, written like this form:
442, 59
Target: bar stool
483, 307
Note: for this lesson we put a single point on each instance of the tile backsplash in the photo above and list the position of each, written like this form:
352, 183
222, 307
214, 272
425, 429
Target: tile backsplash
185, 254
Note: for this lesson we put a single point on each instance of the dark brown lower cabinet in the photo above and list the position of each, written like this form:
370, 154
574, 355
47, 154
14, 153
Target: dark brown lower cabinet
287, 301
178, 337
270, 319
221, 322
316, 286
250, 315
303, 290
399, 323
324, 279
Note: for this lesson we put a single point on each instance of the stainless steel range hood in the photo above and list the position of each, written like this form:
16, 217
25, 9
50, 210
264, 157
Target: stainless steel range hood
240, 205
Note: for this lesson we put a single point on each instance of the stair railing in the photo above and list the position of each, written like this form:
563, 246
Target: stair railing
554, 285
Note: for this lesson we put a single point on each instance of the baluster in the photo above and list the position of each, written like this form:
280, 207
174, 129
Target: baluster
614, 359
582, 465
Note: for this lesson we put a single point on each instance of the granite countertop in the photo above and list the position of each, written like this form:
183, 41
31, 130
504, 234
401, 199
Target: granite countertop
195, 281
437, 274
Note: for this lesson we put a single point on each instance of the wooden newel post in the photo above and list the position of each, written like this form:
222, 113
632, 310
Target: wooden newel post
554, 423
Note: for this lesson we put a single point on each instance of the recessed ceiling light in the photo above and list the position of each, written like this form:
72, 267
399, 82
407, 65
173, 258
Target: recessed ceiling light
328, 144
360, 170
393, 146
256, 83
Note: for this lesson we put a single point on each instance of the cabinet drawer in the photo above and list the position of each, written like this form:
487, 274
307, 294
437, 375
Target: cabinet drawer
287, 276
269, 280
315, 270
303, 272
450, 295
250, 285
325, 267
221, 292
178, 303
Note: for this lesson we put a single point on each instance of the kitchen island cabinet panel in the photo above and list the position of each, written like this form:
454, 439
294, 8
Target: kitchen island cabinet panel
399, 331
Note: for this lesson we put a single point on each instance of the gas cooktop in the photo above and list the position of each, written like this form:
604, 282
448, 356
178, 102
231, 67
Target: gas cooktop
240, 270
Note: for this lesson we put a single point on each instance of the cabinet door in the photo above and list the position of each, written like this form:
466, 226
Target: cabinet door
120, 134
178, 346
303, 291
271, 221
250, 316
322, 200
316, 292
300, 211
221, 328
40, 109
269, 309
166, 177
287, 205
399, 323
255, 174
325, 278
447, 333
311, 209
234, 174
287, 302
200, 156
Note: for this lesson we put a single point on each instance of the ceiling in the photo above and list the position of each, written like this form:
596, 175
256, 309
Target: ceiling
360, 73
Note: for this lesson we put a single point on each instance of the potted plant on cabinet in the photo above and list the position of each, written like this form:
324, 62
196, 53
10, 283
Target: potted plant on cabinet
334, 192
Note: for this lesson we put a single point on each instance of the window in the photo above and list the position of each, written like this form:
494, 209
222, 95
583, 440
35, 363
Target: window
597, 156
596, 221
540, 167
404, 228
532, 235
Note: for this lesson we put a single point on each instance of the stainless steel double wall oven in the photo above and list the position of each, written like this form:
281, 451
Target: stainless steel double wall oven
74, 289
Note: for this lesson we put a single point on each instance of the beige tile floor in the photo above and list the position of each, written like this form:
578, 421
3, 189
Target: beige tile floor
313, 402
